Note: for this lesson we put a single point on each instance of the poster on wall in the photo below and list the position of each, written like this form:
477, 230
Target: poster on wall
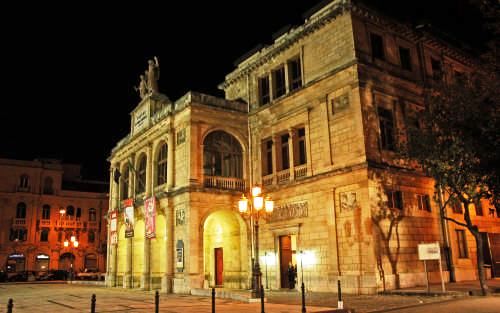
129, 221
150, 213
113, 227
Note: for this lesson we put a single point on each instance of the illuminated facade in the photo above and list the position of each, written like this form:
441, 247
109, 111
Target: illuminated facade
313, 118
43, 204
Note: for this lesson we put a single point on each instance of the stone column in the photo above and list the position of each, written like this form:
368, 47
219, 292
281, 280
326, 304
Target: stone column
170, 159
146, 269
127, 278
149, 171
291, 154
111, 258
167, 279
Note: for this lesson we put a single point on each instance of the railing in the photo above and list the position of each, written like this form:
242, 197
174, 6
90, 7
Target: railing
283, 176
44, 223
267, 180
23, 189
68, 224
19, 222
228, 183
300, 170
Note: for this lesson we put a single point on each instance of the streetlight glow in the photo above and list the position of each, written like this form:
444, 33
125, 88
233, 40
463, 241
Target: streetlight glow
243, 204
66, 243
269, 204
75, 244
72, 239
258, 203
256, 191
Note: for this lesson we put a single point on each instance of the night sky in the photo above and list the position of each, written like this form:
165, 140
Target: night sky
71, 75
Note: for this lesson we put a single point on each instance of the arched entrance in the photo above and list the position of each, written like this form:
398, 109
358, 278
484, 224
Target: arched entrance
16, 263
225, 250
66, 261
42, 263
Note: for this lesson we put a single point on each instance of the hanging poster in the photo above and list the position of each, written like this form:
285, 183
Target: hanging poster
150, 213
129, 221
113, 227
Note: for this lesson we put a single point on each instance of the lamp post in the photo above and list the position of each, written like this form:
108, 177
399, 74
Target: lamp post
252, 207
74, 244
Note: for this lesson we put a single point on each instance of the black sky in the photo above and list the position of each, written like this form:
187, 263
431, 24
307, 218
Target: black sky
69, 70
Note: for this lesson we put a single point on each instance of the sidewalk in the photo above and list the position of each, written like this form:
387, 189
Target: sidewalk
402, 298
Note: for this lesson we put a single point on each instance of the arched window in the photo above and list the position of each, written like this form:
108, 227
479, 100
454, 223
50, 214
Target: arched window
125, 183
70, 211
78, 213
24, 181
47, 186
92, 215
46, 212
161, 177
91, 236
140, 183
21, 210
222, 155
44, 235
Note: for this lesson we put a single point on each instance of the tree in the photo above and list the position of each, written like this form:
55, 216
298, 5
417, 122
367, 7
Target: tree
456, 141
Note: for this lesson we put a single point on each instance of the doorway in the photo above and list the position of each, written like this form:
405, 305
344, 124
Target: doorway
288, 247
219, 266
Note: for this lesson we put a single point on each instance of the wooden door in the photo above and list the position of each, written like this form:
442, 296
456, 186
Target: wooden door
494, 243
219, 266
285, 259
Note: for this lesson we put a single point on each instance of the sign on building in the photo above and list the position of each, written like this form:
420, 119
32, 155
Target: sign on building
128, 219
429, 251
113, 227
150, 213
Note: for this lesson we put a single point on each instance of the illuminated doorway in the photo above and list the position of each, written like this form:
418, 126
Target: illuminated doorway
219, 266
288, 252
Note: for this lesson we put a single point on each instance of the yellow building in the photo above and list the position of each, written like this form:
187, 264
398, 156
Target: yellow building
45, 203
314, 119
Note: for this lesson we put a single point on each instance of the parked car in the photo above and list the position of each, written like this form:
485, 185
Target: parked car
22, 276
3, 276
54, 275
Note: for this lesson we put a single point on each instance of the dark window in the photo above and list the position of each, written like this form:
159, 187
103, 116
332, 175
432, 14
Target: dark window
386, 129
394, 199
285, 157
264, 96
70, 210
405, 58
437, 71
141, 175
60, 236
21, 210
161, 177
18, 234
44, 235
456, 207
222, 155
279, 82
462, 244
377, 46
301, 134
424, 202
125, 183
78, 213
48, 186
294, 74
479, 208
24, 181
91, 236
46, 212
92, 215
268, 157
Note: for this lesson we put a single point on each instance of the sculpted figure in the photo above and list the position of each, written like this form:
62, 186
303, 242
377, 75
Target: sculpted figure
153, 75
143, 87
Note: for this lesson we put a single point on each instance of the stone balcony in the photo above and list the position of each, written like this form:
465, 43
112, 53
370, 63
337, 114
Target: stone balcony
69, 224
226, 183
285, 176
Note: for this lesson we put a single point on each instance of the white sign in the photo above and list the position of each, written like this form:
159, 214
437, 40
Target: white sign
429, 251
141, 117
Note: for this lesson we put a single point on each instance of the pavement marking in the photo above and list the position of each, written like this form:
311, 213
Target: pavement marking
62, 304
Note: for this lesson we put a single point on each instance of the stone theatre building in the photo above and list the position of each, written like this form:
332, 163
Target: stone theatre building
314, 119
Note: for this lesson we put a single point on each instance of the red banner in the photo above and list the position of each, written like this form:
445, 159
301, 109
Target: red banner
150, 214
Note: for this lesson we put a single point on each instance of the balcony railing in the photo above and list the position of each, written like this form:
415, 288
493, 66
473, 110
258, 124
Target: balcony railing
68, 224
227, 183
19, 222
44, 223
283, 176
300, 170
267, 180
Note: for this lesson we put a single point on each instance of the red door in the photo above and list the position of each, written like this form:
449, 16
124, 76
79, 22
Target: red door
285, 259
218, 266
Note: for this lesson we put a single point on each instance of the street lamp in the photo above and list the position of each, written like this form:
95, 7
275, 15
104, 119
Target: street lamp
74, 244
253, 208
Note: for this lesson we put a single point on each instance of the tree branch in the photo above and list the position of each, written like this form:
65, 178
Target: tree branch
455, 221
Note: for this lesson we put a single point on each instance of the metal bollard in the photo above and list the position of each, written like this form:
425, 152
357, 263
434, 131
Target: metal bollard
303, 297
262, 299
10, 306
213, 300
340, 303
157, 302
92, 304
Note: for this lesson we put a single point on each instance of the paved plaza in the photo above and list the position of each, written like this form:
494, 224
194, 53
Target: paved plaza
61, 297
